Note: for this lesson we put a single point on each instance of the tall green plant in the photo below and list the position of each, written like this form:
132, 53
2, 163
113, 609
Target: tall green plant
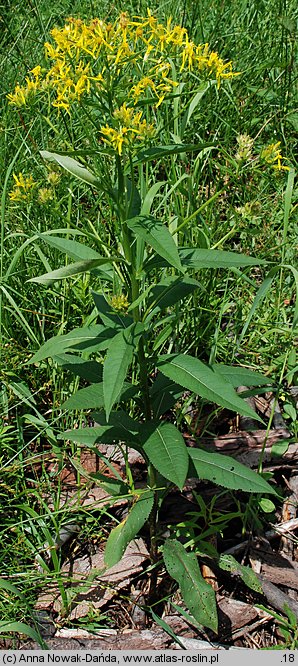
136, 83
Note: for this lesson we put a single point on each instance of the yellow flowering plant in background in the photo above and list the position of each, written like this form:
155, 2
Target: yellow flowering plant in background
130, 85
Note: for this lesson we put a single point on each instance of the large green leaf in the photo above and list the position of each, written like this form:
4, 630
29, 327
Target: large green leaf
198, 258
72, 166
120, 427
227, 472
129, 527
89, 370
158, 152
169, 291
202, 380
92, 397
198, 596
241, 376
92, 338
117, 362
164, 394
73, 249
70, 270
157, 235
166, 450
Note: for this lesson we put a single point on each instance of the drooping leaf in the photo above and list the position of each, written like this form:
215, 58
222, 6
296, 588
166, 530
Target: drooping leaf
89, 370
70, 270
92, 338
157, 235
241, 376
117, 362
109, 316
228, 563
22, 628
198, 596
194, 375
128, 529
227, 472
72, 248
155, 153
72, 166
166, 450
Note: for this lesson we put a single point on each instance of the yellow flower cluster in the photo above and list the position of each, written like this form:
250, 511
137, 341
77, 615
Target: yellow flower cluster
22, 94
22, 190
120, 303
130, 127
271, 155
86, 58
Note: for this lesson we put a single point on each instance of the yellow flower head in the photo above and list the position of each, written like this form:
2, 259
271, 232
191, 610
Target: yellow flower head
119, 303
22, 190
271, 155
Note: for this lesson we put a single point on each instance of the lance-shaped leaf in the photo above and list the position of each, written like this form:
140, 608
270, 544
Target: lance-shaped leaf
128, 529
72, 166
117, 362
70, 270
89, 370
169, 291
249, 577
204, 381
157, 235
92, 397
198, 258
164, 394
158, 152
198, 596
92, 338
120, 427
238, 376
166, 450
77, 251
227, 472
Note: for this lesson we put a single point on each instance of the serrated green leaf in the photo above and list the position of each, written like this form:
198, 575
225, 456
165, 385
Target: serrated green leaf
227, 472
128, 529
195, 376
92, 338
166, 450
72, 166
157, 235
197, 258
164, 394
240, 376
228, 563
117, 362
120, 427
198, 596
